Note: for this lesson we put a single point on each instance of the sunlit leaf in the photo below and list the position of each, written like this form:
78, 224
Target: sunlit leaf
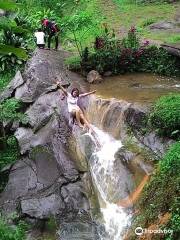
8, 5
19, 52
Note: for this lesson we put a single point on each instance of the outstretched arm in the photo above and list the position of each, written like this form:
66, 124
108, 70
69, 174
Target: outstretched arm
63, 89
87, 94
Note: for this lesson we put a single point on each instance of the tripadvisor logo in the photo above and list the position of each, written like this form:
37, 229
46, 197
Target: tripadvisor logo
139, 231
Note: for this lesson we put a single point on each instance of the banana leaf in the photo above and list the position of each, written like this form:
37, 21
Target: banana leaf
8, 24
19, 52
8, 5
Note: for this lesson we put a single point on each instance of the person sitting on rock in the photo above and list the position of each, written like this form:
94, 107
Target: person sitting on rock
73, 108
40, 38
52, 30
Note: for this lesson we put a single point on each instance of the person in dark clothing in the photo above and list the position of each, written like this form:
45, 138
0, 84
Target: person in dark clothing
52, 30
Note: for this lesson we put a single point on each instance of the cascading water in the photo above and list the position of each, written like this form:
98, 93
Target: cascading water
101, 164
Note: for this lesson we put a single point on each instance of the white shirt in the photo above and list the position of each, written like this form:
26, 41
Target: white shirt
72, 102
40, 37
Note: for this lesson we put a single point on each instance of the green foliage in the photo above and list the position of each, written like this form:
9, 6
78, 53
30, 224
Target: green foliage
19, 52
165, 116
154, 1
162, 193
5, 79
10, 62
158, 60
78, 26
8, 5
129, 55
10, 110
132, 41
8, 232
11, 153
106, 55
73, 63
148, 22
35, 17
174, 222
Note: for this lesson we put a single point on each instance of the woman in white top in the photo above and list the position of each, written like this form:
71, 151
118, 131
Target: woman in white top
73, 108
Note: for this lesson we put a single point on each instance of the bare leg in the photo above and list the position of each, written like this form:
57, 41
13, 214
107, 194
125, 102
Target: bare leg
78, 118
84, 120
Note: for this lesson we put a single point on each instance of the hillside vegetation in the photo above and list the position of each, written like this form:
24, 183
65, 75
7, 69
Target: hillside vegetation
108, 36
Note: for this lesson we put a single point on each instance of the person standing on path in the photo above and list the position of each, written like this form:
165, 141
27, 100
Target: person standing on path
40, 38
52, 30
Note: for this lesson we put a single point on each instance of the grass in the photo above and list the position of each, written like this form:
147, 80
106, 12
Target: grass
165, 116
161, 195
122, 14
5, 78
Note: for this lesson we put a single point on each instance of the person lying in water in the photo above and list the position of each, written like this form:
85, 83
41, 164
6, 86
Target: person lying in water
73, 108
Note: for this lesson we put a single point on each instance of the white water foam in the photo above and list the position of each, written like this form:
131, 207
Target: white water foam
101, 162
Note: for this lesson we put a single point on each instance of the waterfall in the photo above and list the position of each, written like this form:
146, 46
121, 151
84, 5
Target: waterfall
115, 218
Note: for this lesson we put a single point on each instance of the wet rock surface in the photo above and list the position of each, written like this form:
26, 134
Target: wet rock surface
46, 181
52, 177
94, 77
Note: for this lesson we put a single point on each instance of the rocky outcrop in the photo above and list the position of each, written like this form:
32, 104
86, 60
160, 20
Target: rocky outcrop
15, 83
52, 177
173, 49
118, 117
47, 180
40, 74
94, 77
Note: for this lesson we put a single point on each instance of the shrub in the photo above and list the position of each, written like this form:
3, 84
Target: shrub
161, 195
73, 63
165, 116
132, 40
10, 62
129, 55
8, 232
155, 1
157, 60
106, 53
5, 78
11, 153
10, 110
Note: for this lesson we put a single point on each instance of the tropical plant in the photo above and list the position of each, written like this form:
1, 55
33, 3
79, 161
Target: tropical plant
9, 111
129, 55
35, 17
78, 27
8, 232
165, 115
10, 62
132, 41
9, 27
161, 195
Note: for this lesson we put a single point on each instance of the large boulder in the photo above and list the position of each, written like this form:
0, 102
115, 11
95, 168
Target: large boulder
41, 73
44, 207
94, 77
17, 81
47, 180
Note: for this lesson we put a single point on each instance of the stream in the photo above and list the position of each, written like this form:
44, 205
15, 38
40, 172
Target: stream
141, 88
137, 87
116, 219
91, 192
